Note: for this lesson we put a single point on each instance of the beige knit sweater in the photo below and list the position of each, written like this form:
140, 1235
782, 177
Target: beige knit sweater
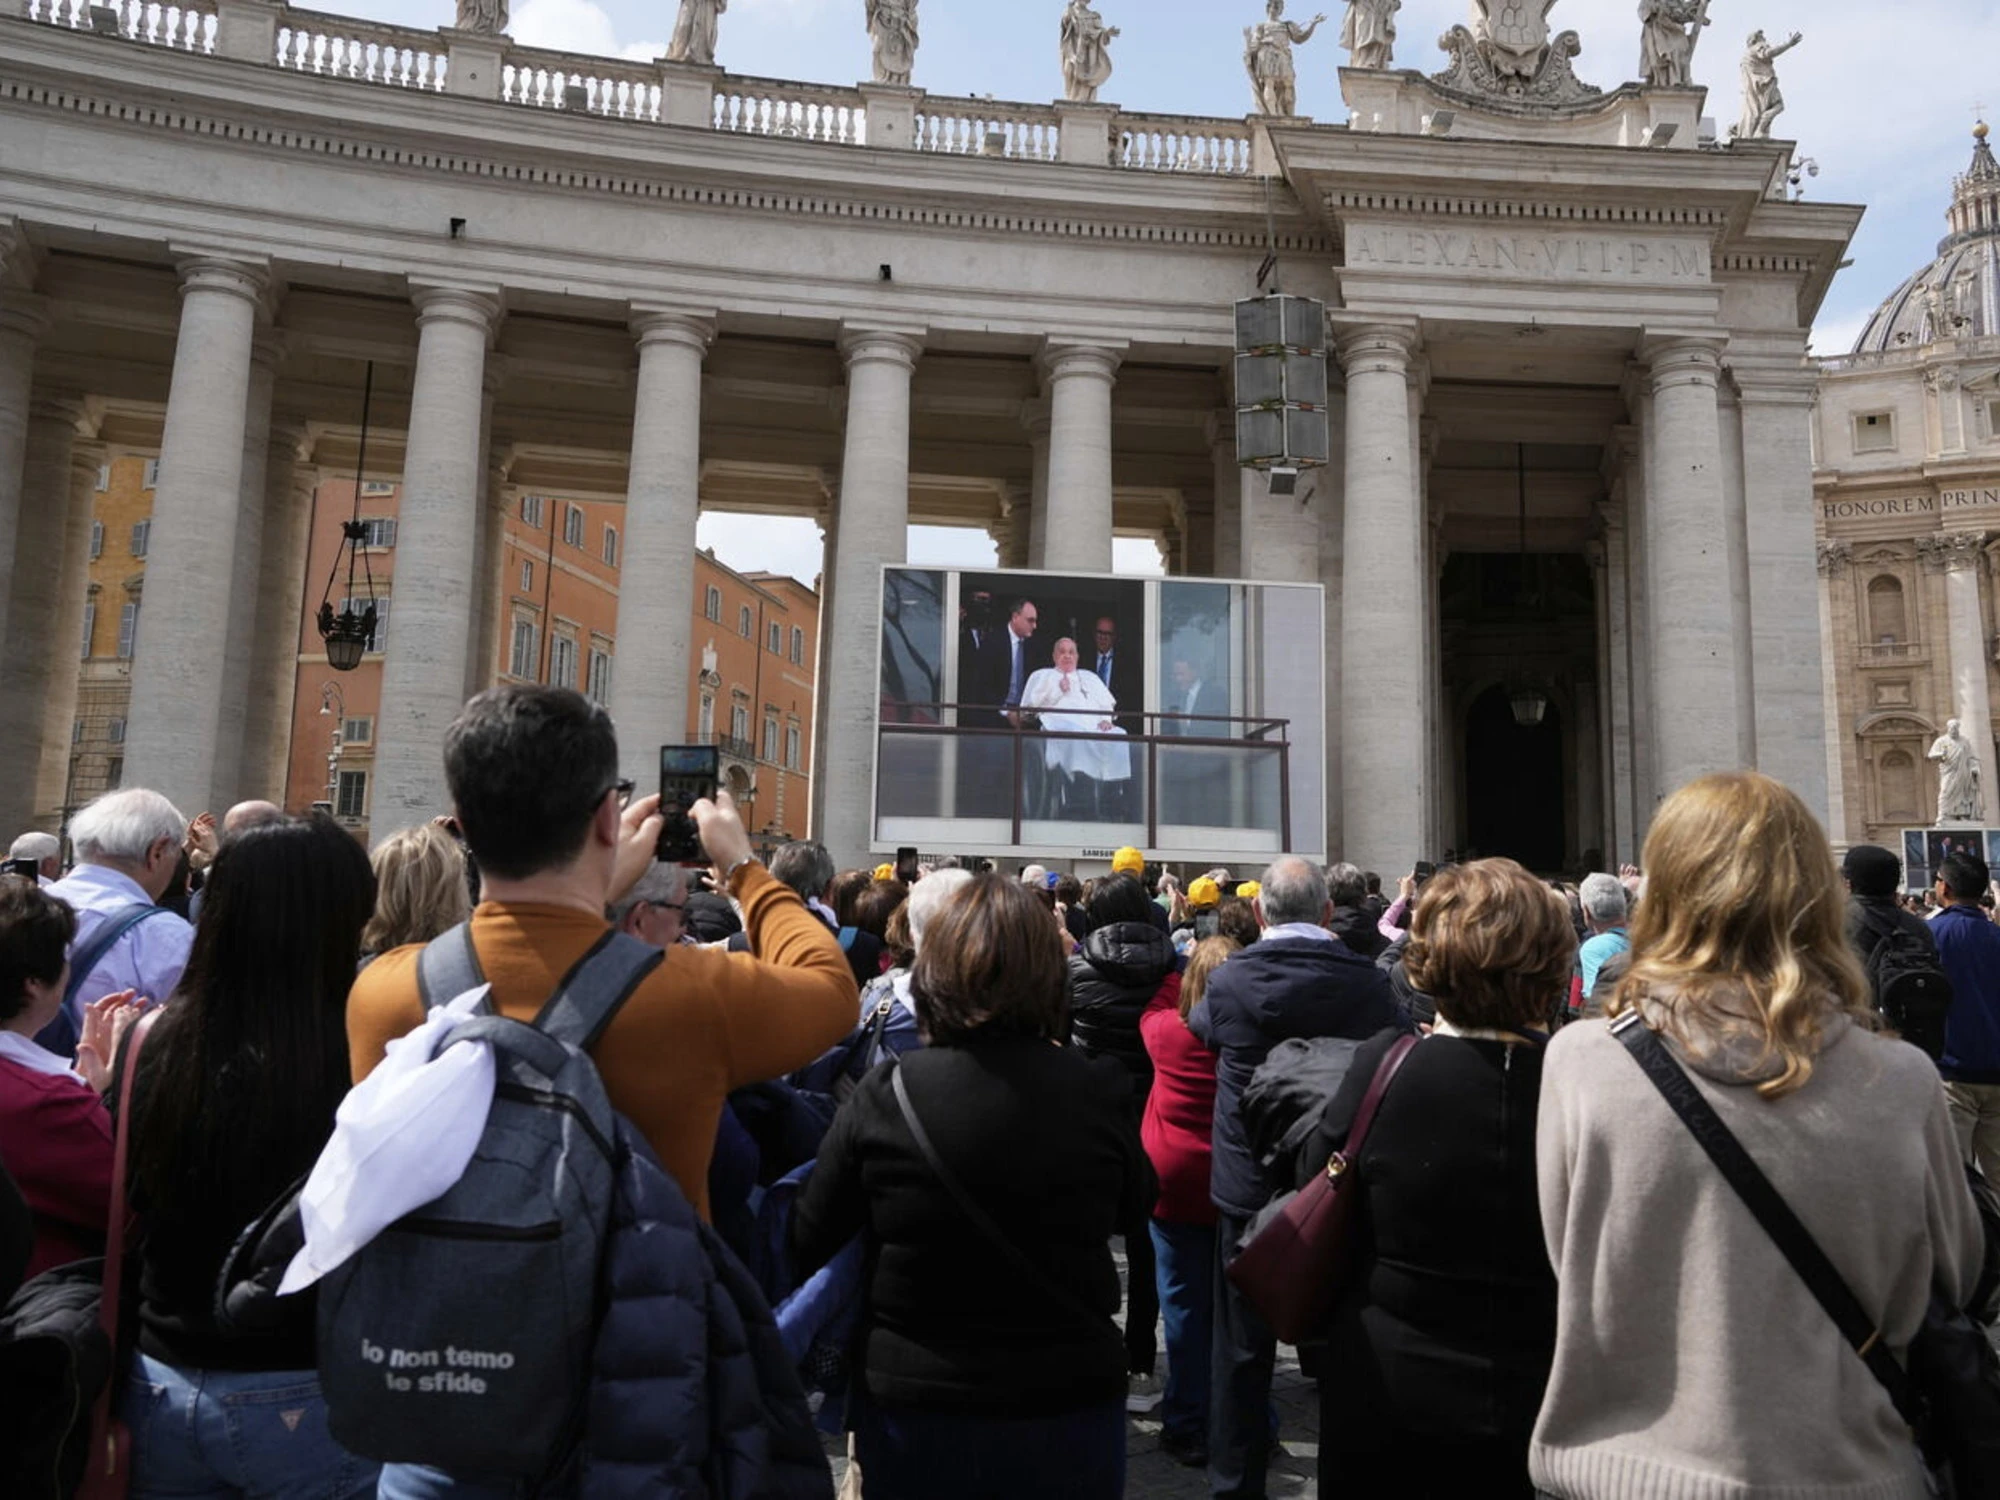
1691, 1362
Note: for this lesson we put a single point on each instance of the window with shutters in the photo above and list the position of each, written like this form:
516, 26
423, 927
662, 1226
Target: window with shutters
611, 545
771, 737
103, 478
792, 746
739, 723
89, 626
798, 646
774, 639
378, 531
152, 480
562, 661
521, 661
359, 731
712, 604
374, 487
114, 773
743, 622
115, 731
97, 539
573, 525
128, 629
531, 510
142, 536
598, 685
527, 577
351, 800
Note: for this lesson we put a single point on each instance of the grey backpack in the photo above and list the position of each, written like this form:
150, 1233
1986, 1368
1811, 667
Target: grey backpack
461, 1336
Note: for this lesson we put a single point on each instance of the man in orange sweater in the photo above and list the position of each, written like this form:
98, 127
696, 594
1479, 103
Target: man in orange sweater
533, 772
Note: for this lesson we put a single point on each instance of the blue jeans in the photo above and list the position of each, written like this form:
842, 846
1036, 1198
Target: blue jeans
224, 1435
1184, 1255
907, 1453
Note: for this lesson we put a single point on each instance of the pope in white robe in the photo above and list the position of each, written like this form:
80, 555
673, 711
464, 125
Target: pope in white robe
1071, 700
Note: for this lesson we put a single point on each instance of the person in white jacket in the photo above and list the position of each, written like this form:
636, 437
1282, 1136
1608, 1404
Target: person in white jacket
1072, 700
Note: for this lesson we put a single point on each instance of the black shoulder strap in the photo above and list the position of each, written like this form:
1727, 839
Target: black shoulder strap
1793, 1239
592, 992
978, 1216
448, 967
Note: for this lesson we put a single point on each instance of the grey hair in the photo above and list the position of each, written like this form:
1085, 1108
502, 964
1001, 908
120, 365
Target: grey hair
661, 885
125, 824
930, 896
806, 867
35, 846
1293, 890
1603, 898
1346, 885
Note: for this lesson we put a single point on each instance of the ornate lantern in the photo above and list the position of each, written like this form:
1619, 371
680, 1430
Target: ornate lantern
1281, 387
350, 634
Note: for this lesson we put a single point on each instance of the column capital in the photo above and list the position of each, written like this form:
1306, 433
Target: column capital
1675, 360
474, 307
674, 326
1377, 348
1834, 558
232, 276
20, 257
1951, 551
64, 407
895, 346
1770, 386
268, 349
1060, 359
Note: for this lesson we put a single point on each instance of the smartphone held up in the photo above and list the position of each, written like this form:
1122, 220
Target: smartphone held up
688, 773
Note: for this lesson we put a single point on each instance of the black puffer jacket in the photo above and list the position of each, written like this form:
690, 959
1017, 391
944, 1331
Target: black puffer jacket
1112, 982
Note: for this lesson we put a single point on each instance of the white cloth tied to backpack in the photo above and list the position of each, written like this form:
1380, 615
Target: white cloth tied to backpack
402, 1138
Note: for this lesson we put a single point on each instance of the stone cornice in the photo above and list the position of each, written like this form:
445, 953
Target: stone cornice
1651, 216
715, 170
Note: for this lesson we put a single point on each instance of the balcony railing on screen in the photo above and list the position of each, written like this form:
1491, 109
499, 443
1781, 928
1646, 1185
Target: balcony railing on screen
1189, 781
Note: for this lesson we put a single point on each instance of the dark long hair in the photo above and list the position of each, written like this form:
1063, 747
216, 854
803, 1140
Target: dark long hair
241, 1076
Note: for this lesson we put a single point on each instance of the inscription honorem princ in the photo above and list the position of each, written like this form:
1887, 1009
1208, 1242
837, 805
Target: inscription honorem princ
1534, 257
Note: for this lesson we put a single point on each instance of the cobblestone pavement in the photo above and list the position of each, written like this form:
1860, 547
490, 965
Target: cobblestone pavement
1151, 1475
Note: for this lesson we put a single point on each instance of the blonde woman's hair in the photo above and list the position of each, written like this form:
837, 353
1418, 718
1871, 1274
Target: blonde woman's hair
420, 888
1742, 896
1206, 958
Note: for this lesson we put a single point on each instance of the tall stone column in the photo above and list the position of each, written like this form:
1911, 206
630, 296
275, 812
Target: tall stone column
1385, 764
29, 662
1689, 566
873, 529
176, 711
1784, 582
23, 320
1079, 379
1615, 647
240, 702
1638, 634
1960, 556
1280, 532
286, 506
489, 589
66, 639
423, 676
1035, 417
1227, 552
1586, 740
649, 683
1729, 421
1833, 559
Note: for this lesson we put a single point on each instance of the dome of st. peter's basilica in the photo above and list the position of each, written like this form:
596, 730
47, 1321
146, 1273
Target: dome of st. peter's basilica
1958, 294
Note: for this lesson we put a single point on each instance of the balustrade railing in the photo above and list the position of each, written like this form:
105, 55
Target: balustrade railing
343, 47
1173, 143
403, 57
184, 27
985, 127
790, 111
589, 85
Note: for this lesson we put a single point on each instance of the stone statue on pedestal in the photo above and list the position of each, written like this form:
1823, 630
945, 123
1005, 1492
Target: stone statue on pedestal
1958, 777
483, 17
694, 32
1086, 52
1369, 33
1668, 31
1267, 54
1762, 103
892, 24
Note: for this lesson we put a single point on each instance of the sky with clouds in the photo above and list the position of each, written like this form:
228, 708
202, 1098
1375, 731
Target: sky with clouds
1881, 94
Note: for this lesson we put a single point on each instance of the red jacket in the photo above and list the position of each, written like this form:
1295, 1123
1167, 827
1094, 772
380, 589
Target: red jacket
55, 1139
1179, 1122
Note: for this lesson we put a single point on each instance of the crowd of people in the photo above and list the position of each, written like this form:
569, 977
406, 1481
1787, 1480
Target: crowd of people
972, 1088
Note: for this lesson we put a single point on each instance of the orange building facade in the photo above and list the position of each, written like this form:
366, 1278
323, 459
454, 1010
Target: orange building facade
750, 684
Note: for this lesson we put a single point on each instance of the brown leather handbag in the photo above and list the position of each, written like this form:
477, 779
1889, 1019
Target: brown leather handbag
1299, 1253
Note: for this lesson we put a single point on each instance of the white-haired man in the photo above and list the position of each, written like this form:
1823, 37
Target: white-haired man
45, 849
1604, 911
128, 844
653, 910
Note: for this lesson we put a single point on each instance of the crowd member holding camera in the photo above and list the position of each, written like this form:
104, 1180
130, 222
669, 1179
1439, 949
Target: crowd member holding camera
533, 773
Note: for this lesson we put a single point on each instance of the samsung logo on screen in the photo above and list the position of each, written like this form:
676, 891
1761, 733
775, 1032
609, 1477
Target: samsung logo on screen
1096, 853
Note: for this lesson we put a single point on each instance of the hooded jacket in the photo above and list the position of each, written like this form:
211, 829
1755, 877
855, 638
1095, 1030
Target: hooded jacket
1113, 980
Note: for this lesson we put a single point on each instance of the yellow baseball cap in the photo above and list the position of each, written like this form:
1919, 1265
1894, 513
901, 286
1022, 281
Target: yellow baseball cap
1204, 892
885, 872
1250, 890
1128, 861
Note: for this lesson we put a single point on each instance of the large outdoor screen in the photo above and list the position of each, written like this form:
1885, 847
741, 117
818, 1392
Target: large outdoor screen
1054, 715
